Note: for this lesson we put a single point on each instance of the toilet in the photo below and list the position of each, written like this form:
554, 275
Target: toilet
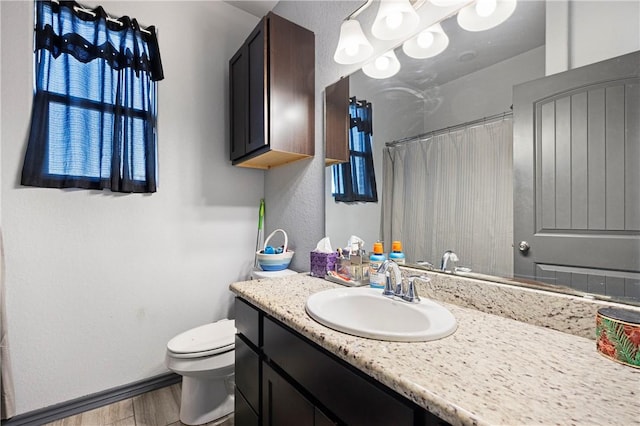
204, 356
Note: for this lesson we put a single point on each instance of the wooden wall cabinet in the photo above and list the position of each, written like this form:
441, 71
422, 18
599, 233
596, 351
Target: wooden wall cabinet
272, 95
282, 378
336, 124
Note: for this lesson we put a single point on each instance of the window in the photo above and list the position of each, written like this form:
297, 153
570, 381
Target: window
356, 180
93, 121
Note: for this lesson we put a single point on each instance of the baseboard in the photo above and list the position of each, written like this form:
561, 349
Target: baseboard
90, 402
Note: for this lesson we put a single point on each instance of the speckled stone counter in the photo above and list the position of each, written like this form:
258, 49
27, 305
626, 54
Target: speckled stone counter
568, 313
492, 371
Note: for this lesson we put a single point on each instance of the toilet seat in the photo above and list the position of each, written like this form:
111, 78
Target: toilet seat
203, 341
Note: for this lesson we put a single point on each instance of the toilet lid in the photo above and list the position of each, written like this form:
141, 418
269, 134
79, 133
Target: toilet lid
205, 340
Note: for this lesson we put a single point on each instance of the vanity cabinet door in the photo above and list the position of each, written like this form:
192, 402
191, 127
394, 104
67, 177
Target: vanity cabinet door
282, 404
321, 419
248, 94
239, 102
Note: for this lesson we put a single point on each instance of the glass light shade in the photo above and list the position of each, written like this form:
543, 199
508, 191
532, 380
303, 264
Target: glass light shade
353, 46
447, 3
395, 19
416, 48
470, 20
384, 66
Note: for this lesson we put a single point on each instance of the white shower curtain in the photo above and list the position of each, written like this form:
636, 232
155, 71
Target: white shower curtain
7, 403
453, 191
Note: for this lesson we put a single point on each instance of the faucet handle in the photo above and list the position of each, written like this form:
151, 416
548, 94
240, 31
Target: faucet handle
412, 294
399, 288
388, 286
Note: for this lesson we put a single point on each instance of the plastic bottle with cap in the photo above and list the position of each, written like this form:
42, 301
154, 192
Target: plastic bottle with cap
376, 258
396, 253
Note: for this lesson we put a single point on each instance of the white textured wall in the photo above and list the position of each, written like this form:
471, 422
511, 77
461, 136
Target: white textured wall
485, 92
98, 283
557, 36
601, 30
583, 32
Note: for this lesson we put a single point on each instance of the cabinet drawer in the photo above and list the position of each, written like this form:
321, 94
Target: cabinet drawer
332, 382
248, 373
248, 322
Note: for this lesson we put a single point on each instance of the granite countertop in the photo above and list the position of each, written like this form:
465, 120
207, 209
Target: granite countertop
492, 371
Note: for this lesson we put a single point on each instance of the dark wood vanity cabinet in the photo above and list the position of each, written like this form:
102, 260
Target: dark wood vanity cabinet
272, 95
282, 378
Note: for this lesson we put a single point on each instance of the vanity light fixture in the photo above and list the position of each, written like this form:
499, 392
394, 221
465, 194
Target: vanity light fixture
395, 19
353, 46
427, 44
447, 3
485, 14
384, 66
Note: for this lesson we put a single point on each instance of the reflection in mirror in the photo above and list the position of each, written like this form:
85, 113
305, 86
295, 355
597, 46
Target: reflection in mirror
473, 79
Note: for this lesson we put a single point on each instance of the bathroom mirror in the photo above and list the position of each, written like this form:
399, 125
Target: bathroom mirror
472, 79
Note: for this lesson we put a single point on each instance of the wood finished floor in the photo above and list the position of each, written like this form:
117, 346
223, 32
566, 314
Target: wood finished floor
160, 407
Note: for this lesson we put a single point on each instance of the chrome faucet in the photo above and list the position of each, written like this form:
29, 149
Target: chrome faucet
409, 294
390, 280
447, 257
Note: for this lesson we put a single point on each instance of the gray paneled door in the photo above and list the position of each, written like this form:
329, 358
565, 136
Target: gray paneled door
577, 178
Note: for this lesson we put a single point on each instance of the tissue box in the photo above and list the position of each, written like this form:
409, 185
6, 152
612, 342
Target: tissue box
322, 262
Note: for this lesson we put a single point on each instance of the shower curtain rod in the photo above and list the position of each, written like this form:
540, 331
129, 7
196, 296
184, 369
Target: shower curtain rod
450, 128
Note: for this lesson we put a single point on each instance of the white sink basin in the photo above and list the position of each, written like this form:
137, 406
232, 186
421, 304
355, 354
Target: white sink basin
365, 312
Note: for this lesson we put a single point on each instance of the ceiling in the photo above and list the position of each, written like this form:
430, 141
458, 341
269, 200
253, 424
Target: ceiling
257, 8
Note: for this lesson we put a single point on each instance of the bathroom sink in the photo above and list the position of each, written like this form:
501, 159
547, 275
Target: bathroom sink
365, 312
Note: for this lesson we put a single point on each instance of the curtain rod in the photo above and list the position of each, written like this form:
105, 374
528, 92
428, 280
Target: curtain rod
90, 12
450, 128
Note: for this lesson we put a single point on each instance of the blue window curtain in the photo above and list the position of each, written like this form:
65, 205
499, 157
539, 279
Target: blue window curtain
93, 123
355, 181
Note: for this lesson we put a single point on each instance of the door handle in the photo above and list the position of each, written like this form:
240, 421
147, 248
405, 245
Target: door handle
524, 246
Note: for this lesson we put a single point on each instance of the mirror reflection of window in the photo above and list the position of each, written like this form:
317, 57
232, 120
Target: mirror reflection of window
355, 180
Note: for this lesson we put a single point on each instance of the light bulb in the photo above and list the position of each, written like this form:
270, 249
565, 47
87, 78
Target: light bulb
485, 8
425, 39
351, 49
382, 63
394, 20
383, 66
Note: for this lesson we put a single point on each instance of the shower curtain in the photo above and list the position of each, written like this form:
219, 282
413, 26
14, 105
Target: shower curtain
452, 190
7, 402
